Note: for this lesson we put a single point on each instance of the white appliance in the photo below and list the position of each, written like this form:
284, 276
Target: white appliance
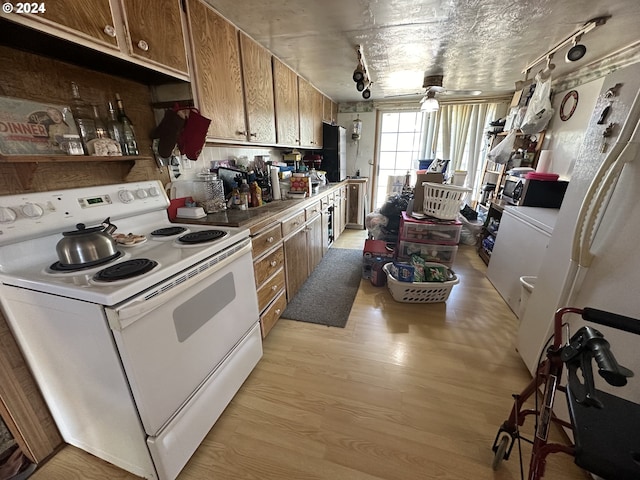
520, 246
134, 371
593, 258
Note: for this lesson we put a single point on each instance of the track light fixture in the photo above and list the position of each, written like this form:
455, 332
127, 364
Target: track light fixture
361, 76
577, 51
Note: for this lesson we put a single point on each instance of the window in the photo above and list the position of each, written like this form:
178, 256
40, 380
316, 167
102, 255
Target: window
400, 135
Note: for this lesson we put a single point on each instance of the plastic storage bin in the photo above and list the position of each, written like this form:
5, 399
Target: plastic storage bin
527, 285
430, 252
430, 232
443, 201
419, 292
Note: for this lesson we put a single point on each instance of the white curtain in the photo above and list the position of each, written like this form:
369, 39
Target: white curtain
456, 133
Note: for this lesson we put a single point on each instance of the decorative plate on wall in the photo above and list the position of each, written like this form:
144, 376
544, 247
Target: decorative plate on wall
568, 105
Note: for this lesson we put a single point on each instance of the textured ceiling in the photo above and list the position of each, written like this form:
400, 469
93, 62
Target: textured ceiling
476, 44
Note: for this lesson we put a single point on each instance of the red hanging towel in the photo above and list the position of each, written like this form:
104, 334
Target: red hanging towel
194, 134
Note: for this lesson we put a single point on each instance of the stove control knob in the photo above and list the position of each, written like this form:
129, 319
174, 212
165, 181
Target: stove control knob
126, 196
154, 191
32, 210
7, 215
141, 193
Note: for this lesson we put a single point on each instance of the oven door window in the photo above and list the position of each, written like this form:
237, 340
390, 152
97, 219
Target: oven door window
170, 350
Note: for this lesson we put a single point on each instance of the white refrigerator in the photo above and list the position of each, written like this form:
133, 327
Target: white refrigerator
593, 257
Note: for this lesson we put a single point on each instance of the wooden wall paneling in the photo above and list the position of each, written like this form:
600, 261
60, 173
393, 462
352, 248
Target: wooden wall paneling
21, 405
39, 78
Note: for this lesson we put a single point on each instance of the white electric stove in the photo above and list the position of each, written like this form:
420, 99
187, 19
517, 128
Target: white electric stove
134, 370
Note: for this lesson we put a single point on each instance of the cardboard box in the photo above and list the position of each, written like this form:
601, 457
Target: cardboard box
418, 189
374, 251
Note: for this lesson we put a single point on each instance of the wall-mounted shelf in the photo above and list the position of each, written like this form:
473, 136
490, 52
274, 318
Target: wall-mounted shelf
27, 165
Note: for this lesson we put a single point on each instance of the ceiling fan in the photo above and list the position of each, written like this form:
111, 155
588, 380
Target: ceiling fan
433, 86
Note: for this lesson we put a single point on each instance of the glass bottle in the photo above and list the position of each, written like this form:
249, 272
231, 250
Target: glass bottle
114, 127
245, 194
130, 146
101, 128
83, 115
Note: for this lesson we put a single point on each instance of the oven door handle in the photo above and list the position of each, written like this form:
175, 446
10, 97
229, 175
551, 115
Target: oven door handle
124, 315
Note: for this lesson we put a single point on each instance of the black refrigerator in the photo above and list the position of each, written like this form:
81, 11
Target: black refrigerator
334, 152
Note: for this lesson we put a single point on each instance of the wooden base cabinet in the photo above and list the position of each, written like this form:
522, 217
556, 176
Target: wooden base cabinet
356, 198
268, 268
296, 264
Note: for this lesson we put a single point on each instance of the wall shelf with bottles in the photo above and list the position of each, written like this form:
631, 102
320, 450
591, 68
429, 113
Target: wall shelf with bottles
27, 165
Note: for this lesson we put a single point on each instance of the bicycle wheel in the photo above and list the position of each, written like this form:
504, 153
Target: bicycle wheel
501, 449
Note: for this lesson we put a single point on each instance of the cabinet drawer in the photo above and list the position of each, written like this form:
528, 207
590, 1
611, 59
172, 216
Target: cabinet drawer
266, 240
271, 315
270, 289
269, 265
292, 224
312, 210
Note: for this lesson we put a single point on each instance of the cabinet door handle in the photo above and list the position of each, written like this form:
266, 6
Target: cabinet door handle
270, 240
274, 287
273, 263
278, 311
241, 132
110, 31
144, 46
253, 134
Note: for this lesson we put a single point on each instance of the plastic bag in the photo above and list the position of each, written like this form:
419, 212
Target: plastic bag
502, 152
539, 111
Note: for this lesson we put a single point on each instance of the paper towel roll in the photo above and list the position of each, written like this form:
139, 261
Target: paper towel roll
544, 161
275, 183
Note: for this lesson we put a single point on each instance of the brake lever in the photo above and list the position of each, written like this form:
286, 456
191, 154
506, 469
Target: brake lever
584, 393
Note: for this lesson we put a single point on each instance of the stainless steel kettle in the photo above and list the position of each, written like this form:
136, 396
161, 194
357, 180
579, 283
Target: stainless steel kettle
85, 246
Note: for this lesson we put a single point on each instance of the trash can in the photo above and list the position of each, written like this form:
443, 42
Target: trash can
527, 285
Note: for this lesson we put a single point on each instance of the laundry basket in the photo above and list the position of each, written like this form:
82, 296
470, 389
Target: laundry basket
443, 201
419, 292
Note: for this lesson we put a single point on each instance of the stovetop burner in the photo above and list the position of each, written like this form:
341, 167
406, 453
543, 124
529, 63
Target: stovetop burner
168, 231
63, 267
202, 236
125, 270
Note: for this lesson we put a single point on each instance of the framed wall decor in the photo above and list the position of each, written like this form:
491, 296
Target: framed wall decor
33, 128
568, 105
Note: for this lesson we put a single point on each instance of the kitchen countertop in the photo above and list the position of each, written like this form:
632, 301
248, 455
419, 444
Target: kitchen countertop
254, 217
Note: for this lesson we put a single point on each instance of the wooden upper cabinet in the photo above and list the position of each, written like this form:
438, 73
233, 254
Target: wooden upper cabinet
285, 83
95, 22
310, 101
127, 29
217, 79
306, 101
156, 33
334, 113
326, 109
258, 91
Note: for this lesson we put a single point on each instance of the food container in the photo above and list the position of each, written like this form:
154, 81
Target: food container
430, 252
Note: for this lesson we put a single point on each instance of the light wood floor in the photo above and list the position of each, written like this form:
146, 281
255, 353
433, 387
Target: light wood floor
404, 392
